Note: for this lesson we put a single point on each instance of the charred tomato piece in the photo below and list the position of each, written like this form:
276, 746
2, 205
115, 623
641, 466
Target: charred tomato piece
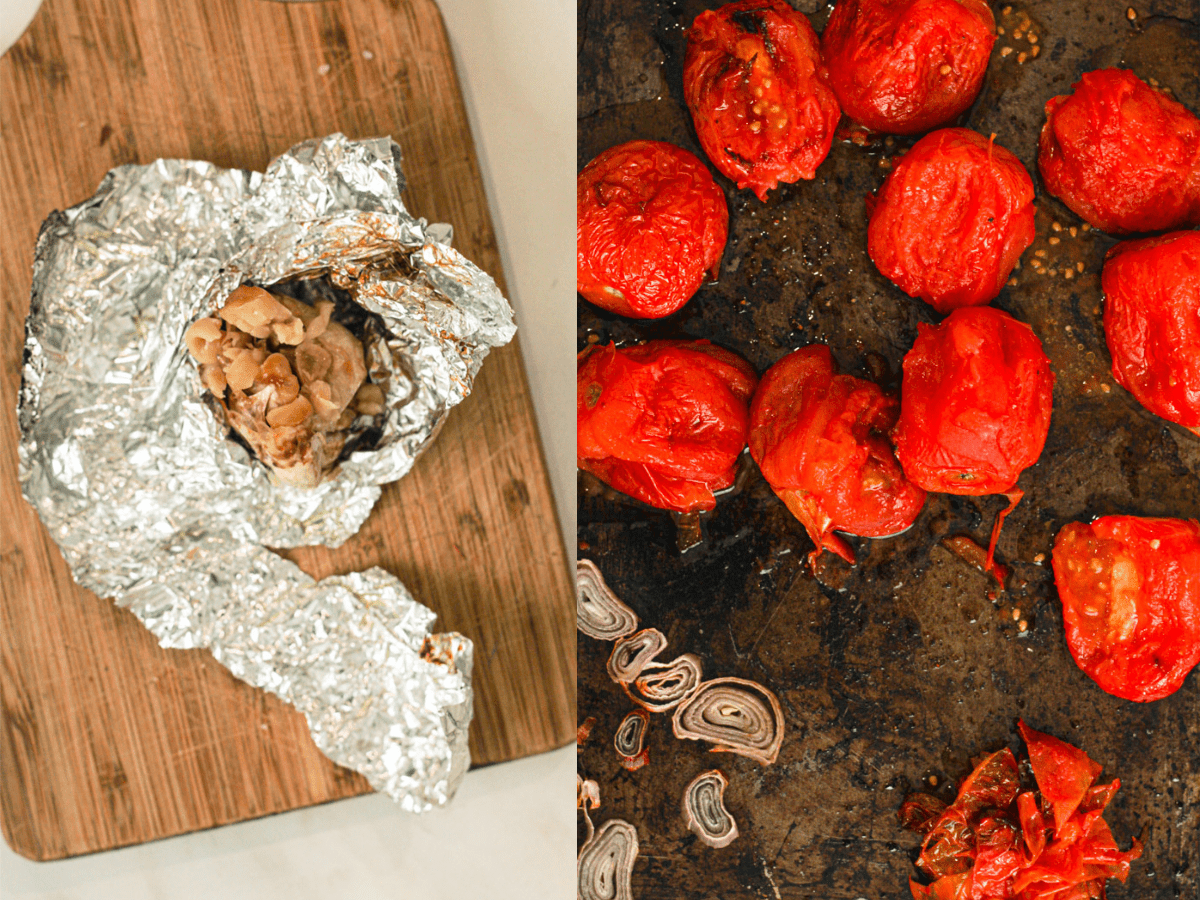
1152, 323
759, 94
1123, 156
995, 841
821, 441
952, 219
975, 406
1130, 590
906, 66
663, 421
652, 225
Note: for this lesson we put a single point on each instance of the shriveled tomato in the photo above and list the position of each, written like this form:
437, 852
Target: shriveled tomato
905, 66
951, 220
663, 421
821, 441
1130, 591
652, 225
994, 843
1152, 323
1122, 155
974, 406
759, 93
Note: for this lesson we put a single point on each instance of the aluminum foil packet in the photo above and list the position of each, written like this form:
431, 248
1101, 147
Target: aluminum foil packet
132, 470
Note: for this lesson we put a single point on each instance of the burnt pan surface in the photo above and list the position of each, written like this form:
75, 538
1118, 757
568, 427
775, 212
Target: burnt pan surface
895, 673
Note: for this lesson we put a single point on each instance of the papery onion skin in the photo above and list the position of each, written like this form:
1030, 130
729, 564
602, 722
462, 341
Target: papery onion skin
649, 642
644, 689
691, 797
594, 599
729, 740
618, 883
630, 740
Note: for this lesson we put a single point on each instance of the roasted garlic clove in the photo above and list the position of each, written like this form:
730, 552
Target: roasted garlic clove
203, 340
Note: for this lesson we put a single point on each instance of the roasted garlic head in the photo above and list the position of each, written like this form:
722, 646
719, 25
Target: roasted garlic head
290, 379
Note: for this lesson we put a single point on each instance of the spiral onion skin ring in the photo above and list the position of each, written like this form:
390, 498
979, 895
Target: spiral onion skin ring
705, 812
631, 654
606, 859
737, 715
599, 612
662, 686
630, 740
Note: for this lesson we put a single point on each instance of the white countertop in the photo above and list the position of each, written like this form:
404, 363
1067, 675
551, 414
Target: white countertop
510, 831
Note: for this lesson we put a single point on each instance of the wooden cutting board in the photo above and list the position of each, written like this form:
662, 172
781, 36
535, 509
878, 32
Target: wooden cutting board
105, 738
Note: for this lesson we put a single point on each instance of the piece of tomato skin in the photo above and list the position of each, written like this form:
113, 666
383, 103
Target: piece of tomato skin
820, 441
1130, 593
886, 60
651, 228
975, 403
759, 94
1152, 322
951, 219
1122, 155
664, 421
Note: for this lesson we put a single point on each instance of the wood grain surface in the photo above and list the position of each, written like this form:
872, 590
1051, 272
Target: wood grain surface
105, 738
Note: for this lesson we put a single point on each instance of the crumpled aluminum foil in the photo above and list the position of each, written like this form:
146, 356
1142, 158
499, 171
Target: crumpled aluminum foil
133, 475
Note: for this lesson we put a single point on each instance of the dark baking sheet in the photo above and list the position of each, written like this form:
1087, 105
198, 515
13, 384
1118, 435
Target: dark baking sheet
898, 671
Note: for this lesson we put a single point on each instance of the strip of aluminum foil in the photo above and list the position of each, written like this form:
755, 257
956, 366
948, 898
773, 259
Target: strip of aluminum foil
134, 477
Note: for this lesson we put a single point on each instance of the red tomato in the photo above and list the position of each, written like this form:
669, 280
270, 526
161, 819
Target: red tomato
1152, 323
821, 441
952, 219
759, 94
905, 66
663, 421
1130, 590
652, 224
1122, 155
974, 407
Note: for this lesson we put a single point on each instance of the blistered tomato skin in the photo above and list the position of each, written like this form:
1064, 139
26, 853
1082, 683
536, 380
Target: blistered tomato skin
975, 406
652, 226
906, 66
759, 94
1130, 591
1123, 156
1152, 323
664, 421
821, 441
952, 219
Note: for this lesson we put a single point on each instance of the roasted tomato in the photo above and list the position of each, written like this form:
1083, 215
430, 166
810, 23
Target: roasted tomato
1122, 155
994, 841
663, 421
821, 441
759, 94
1152, 323
974, 407
1130, 590
952, 219
652, 224
906, 66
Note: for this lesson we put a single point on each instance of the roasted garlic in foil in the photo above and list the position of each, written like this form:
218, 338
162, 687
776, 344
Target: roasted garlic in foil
139, 471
